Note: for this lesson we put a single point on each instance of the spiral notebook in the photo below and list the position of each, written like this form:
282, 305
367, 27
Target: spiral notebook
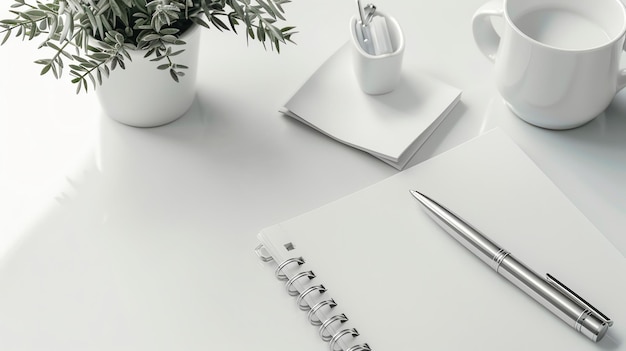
372, 271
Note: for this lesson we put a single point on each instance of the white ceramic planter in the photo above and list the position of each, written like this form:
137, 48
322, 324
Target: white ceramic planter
143, 96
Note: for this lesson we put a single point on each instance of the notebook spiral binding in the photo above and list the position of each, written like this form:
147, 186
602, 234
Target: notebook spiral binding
333, 339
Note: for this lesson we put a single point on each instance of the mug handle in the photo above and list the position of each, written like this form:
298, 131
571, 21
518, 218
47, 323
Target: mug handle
485, 36
621, 80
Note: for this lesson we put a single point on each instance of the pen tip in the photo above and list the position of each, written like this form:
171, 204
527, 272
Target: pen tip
416, 194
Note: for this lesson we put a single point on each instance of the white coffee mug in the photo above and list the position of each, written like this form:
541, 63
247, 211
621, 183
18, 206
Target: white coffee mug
378, 74
556, 61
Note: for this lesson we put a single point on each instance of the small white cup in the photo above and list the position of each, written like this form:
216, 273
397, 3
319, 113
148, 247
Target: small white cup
378, 74
556, 61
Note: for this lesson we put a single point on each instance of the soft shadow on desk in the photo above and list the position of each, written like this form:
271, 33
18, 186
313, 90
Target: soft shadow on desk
405, 97
609, 342
586, 162
429, 148
599, 144
121, 258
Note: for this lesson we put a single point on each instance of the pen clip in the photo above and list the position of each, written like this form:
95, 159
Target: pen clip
570, 293
366, 13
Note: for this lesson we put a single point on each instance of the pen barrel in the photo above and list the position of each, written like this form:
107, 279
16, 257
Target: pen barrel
561, 305
577, 315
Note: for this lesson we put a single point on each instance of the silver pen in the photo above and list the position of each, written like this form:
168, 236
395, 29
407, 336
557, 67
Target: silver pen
549, 292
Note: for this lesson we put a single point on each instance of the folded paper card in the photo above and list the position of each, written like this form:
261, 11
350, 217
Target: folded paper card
391, 127
403, 283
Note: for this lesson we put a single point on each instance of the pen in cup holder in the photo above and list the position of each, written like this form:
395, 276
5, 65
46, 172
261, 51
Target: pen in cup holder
366, 14
378, 43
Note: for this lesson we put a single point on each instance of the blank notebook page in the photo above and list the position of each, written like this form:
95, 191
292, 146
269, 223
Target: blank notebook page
405, 284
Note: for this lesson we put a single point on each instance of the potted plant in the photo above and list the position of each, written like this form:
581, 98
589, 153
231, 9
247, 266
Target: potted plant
93, 39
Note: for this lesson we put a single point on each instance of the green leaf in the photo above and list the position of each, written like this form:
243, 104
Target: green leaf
10, 22
99, 24
66, 27
169, 31
199, 21
174, 75
267, 8
275, 32
59, 61
43, 61
45, 8
260, 32
53, 45
169, 38
99, 76
115, 7
45, 70
163, 66
100, 56
158, 58
238, 9
278, 3
232, 19
33, 33
34, 14
277, 45
66, 54
91, 77
148, 53
119, 38
89, 65
54, 71
218, 23
150, 37
92, 22
79, 59
78, 86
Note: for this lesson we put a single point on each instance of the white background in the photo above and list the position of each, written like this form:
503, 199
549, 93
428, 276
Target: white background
118, 238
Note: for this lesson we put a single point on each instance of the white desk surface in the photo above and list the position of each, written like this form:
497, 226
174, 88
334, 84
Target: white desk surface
118, 238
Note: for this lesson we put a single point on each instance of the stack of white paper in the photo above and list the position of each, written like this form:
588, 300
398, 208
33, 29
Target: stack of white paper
391, 127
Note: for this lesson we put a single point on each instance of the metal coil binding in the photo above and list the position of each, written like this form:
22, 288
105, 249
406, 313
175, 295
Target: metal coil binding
311, 315
325, 329
289, 285
360, 347
306, 307
341, 318
338, 335
279, 270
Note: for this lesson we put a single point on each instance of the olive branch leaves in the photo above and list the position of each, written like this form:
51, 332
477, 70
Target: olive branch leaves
90, 38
